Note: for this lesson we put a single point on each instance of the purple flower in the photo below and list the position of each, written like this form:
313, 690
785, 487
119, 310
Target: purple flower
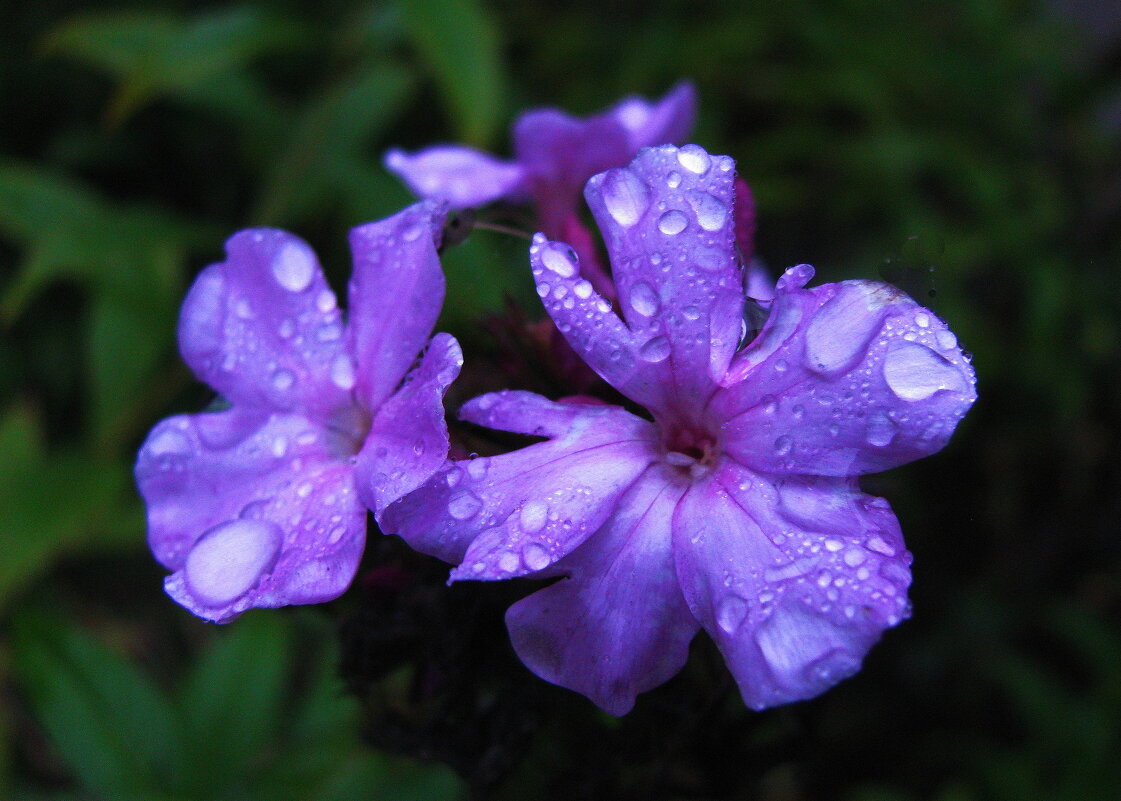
264, 504
736, 508
555, 155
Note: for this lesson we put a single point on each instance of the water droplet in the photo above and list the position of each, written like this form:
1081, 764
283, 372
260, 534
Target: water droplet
329, 333
946, 339
294, 267
243, 310
464, 505
418, 447
228, 559
673, 180
880, 430
710, 210
169, 442
582, 290
730, 613
535, 556
279, 447
833, 545
287, 328
914, 372
477, 468
560, 259
342, 372
304, 490
656, 350
533, 516
673, 222
880, 545
412, 233
691, 313
453, 476
854, 557
625, 196
783, 445
644, 299
325, 301
694, 159
839, 334
283, 380
336, 535
508, 562
922, 320
543, 289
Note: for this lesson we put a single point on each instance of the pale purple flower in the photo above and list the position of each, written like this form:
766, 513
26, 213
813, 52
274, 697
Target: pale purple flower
736, 507
264, 504
554, 156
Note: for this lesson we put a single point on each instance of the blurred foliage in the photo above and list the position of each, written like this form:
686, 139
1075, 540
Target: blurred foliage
968, 151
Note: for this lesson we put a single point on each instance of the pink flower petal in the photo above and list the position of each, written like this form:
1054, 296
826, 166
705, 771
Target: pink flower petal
262, 327
396, 293
408, 439
795, 580
618, 625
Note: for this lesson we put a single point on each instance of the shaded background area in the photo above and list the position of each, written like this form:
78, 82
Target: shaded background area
968, 151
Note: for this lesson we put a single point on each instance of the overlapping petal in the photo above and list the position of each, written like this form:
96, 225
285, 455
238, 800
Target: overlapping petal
249, 509
395, 295
461, 176
668, 224
617, 624
844, 379
794, 579
516, 514
408, 439
263, 328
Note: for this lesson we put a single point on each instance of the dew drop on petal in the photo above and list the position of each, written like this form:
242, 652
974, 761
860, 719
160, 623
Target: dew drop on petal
533, 516
325, 301
509, 562
279, 447
342, 372
854, 557
294, 267
881, 546
783, 445
656, 350
914, 372
644, 299
730, 613
880, 430
464, 505
673, 222
535, 556
673, 180
625, 196
694, 159
229, 559
946, 339
169, 442
560, 259
840, 332
283, 380
710, 210
582, 290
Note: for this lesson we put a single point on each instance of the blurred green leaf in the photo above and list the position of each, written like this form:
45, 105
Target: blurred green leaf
460, 44
112, 725
154, 53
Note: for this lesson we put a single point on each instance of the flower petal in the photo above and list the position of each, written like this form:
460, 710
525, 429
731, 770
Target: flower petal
461, 176
618, 625
396, 293
794, 580
844, 378
250, 510
262, 328
515, 514
669, 228
408, 440
663, 122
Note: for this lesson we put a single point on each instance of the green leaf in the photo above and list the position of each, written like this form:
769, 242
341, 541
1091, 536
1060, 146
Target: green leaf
153, 54
110, 723
459, 43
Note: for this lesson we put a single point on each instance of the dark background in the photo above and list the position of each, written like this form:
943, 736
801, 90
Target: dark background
968, 151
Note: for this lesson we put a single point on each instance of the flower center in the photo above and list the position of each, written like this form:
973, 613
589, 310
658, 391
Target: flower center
691, 453
346, 430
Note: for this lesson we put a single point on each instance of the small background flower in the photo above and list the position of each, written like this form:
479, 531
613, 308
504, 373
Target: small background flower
968, 149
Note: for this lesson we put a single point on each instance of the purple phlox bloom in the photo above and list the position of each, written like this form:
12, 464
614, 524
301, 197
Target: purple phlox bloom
264, 504
735, 508
554, 156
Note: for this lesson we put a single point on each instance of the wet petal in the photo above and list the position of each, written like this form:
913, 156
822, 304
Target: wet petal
844, 378
263, 329
249, 510
668, 224
618, 625
396, 293
461, 176
514, 514
408, 440
794, 580
662, 122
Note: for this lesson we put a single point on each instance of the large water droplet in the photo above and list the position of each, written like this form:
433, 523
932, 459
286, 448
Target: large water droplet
673, 222
946, 339
535, 556
508, 562
294, 267
644, 299
464, 505
625, 196
325, 301
560, 259
710, 210
914, 372
533, 516
169, 442
694, 159
880, 430
730, 613
228, 559
839, 334
656, 350
342, 372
